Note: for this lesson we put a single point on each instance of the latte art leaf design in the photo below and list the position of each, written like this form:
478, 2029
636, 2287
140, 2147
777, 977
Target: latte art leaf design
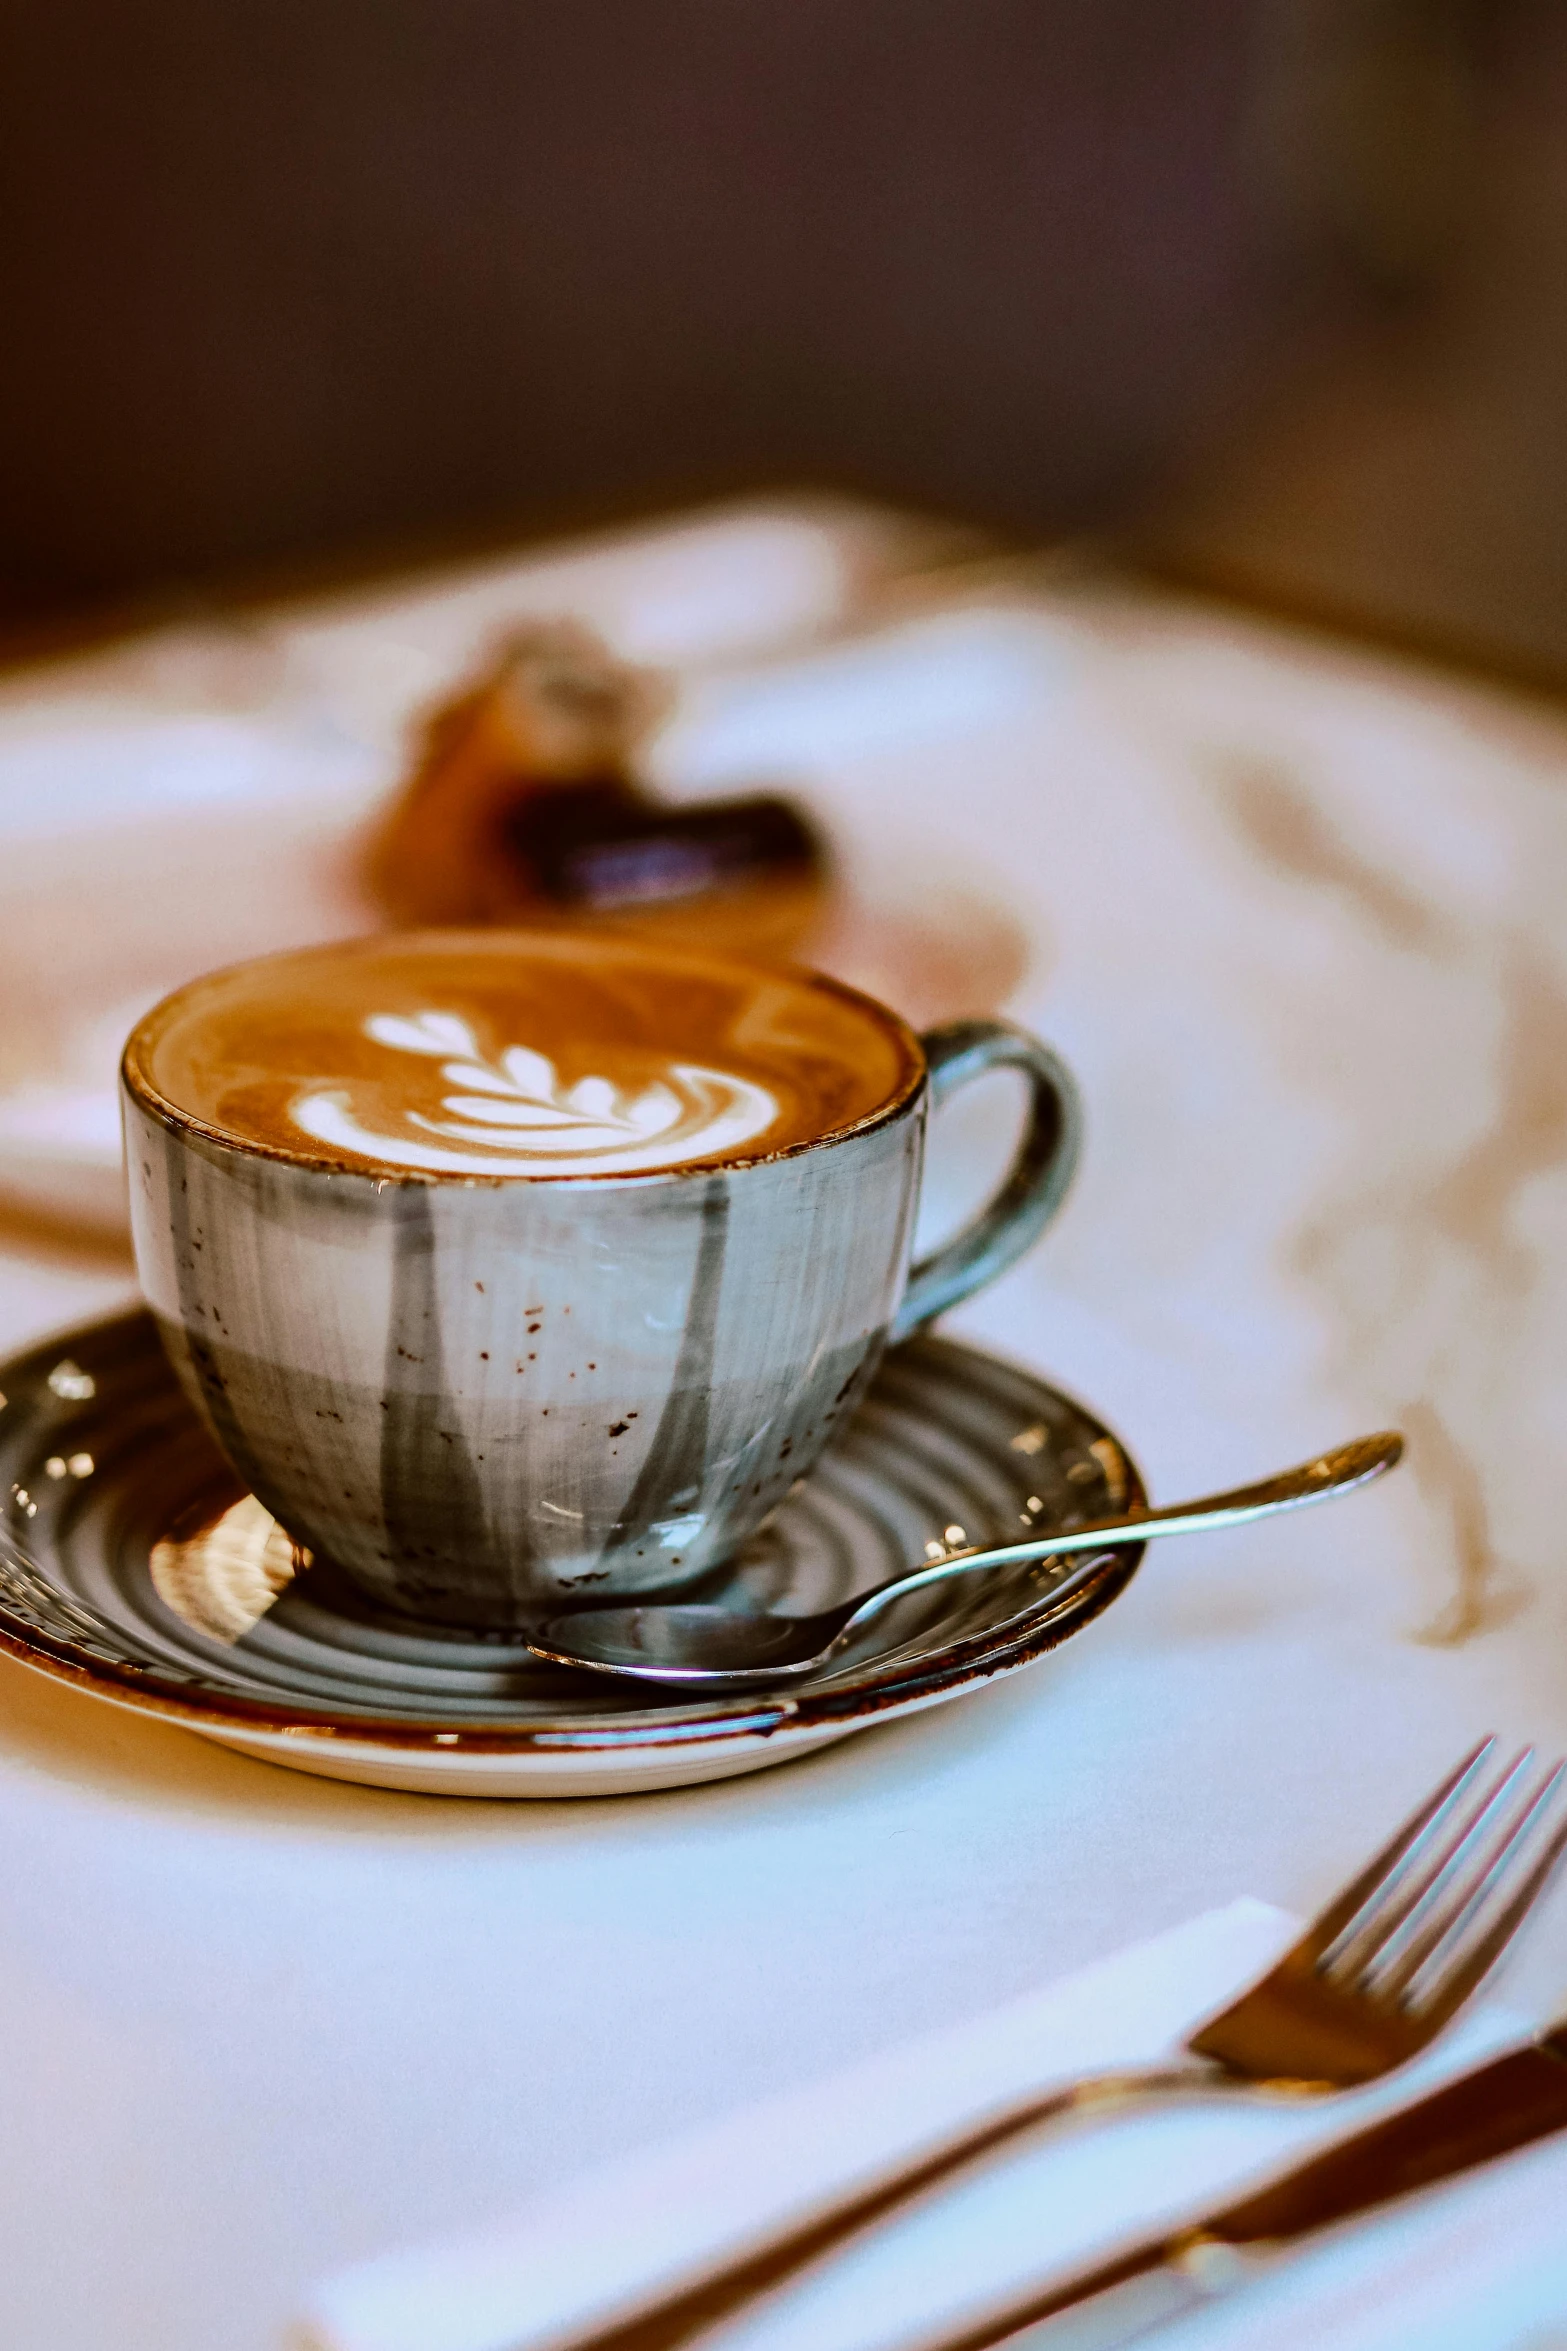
511, 1114
519, 1097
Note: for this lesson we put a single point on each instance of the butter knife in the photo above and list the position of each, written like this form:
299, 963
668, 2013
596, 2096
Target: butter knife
1499, 2107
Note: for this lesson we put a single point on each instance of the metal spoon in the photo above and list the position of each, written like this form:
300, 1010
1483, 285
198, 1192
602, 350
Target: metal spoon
721, 1648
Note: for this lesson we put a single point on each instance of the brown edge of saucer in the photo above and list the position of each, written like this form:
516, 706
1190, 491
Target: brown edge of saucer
894, 1690
179, 1121
886, 1694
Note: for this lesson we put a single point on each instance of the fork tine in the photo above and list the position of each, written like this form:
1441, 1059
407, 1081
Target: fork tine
1466, 1867
1362, 1899
1427, 1887
1453, 1963
1454, 1987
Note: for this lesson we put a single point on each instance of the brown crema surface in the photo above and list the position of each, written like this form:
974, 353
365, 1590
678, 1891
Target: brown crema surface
240, 1051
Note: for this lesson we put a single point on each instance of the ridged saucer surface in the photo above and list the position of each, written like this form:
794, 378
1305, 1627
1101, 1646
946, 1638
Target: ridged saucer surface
134, 1564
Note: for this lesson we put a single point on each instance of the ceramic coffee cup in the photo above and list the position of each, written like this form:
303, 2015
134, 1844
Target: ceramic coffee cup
506, 1267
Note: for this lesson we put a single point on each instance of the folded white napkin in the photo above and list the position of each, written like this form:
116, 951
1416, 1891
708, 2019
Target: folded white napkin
1044, 2203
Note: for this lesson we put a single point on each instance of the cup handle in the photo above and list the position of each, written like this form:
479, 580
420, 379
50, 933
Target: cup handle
1033, 1187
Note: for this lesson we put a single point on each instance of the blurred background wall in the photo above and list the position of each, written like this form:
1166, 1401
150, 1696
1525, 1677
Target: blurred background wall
1273, 288
1407, 470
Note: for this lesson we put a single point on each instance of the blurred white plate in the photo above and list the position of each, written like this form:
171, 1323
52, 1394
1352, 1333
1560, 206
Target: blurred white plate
193, 798
98, 921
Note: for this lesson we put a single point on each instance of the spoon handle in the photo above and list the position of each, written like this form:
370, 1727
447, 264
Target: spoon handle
1354, 1464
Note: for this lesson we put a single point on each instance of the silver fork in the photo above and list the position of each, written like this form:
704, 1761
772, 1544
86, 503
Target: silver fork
1370, 1983
1398, 1951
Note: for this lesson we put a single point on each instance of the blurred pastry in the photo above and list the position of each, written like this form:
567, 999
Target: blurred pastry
524, 804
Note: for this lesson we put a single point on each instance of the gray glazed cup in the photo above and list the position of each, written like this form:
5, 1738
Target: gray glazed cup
477, 1397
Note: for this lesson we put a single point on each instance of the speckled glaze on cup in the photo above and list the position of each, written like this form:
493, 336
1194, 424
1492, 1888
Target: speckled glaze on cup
478, 1394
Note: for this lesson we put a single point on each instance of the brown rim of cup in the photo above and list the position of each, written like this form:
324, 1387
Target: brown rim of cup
179, 1121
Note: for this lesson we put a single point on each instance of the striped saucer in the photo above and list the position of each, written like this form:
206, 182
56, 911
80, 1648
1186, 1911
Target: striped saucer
135, 1566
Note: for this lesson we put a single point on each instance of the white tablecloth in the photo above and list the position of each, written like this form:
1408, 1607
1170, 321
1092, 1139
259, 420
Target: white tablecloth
1297, 918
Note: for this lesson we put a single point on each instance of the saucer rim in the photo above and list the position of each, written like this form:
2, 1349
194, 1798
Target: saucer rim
838, 1706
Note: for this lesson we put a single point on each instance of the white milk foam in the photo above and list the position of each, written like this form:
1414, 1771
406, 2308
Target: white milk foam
510, 1115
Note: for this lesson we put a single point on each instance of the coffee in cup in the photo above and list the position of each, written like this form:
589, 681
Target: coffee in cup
510, 1267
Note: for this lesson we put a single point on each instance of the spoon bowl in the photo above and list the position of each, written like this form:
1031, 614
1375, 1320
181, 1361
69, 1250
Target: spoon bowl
716, 1648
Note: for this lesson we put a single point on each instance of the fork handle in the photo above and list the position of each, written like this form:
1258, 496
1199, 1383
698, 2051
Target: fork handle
771, 2254
758, 2193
